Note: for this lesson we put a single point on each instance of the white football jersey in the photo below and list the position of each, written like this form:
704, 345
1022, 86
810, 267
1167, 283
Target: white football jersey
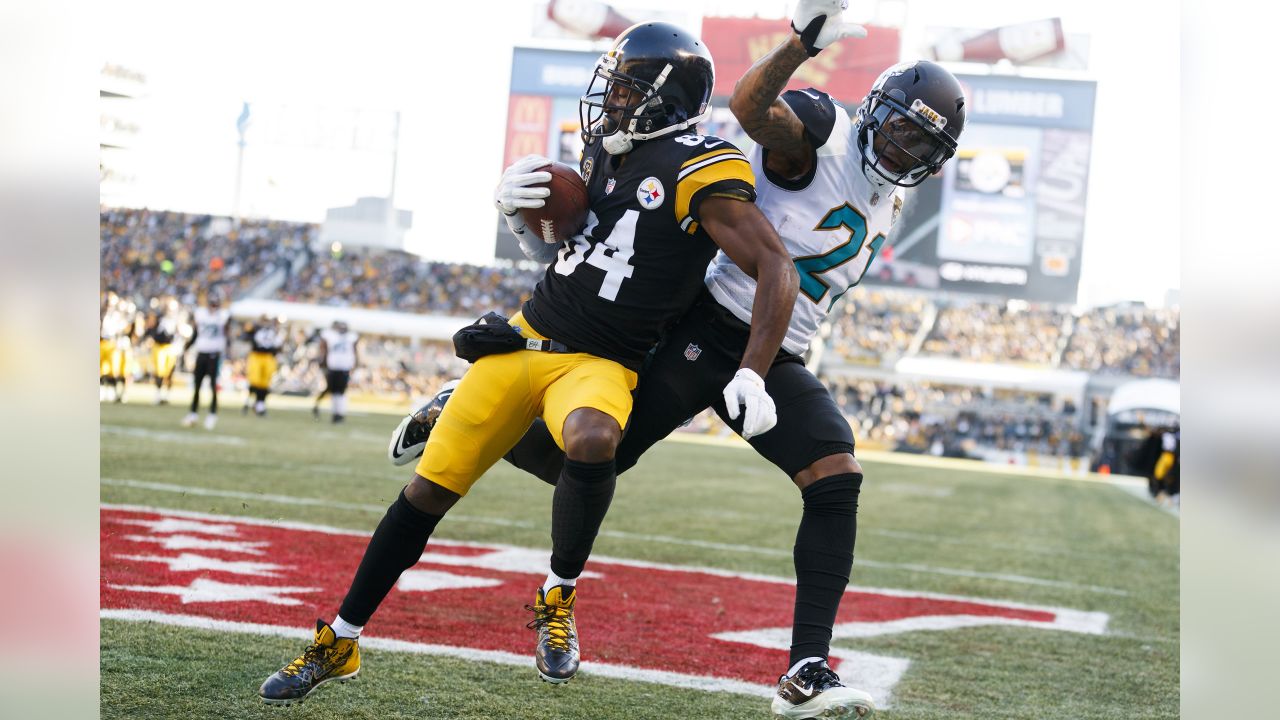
341, 349
114, 326
211, 330
832, 221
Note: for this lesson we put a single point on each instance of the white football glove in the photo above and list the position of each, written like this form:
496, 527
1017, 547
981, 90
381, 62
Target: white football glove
746, 390
513, 191
818, 24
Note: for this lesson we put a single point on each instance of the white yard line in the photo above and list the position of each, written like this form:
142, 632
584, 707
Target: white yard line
609, 670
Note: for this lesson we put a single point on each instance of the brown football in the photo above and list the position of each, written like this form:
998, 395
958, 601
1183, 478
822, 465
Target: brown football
565, 211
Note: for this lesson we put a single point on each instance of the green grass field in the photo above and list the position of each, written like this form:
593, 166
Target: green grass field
955, 530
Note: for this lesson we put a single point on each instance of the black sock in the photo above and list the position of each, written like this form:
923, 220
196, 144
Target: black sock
538, 454
581, 500
396, 546
823, 557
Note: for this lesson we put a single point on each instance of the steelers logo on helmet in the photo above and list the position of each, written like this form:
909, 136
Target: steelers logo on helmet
909, 124
655, 80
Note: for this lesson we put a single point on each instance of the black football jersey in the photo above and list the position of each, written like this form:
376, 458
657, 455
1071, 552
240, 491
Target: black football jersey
639, 263
266, 338
165, 331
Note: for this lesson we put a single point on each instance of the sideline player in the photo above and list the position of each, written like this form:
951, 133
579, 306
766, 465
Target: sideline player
114, 347
829, 183
265, 340
338, 357
661, 202
164, 356
210, 328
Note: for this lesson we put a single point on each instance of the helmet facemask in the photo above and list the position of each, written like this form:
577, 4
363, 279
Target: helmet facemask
620, 107
901, 145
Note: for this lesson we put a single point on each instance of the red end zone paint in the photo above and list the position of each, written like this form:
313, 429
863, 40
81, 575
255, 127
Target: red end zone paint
469, 596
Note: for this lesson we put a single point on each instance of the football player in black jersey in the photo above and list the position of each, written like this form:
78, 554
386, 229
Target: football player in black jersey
662, 200
813, 443
164, 355
265, 340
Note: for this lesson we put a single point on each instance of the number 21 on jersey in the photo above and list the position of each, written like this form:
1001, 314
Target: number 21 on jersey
855, 252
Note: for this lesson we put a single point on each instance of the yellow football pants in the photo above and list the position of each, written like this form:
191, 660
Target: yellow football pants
163, 360
260, 369
501, 395
106, 349
113, 358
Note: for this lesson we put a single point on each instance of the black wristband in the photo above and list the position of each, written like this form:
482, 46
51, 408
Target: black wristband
809, 35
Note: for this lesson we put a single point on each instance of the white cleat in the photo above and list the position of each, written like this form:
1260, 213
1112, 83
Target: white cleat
210, 421
190, 420
815, 691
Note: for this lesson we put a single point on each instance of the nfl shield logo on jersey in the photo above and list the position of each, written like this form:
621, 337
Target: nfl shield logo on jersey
608, 187
692, 352
650, 193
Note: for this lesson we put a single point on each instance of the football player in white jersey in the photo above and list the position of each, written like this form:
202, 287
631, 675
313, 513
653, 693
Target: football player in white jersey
829, 183
338, 357
211, 326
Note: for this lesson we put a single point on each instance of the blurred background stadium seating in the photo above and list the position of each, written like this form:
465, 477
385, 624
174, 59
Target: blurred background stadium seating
879, 354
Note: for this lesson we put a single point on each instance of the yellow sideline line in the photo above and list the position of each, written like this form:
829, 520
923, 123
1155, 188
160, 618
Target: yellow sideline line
929, 461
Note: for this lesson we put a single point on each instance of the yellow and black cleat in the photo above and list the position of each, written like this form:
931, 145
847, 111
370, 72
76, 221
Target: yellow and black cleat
557, 652
327, 658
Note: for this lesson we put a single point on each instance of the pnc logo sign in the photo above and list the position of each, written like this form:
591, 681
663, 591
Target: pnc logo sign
637, 620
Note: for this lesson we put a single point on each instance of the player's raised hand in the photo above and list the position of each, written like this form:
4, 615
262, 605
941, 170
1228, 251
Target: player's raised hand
513, 191
746, 392
819, 23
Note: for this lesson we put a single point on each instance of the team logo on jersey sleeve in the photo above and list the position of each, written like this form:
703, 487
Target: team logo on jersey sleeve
651, 194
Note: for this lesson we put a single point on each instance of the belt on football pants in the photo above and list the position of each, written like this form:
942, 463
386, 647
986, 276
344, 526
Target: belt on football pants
550, 346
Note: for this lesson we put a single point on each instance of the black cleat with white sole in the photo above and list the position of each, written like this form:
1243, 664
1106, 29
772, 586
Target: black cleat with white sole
410, 437
815, 691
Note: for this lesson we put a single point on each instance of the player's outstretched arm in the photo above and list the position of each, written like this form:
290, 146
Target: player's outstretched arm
765, 117
751, 242
762, 113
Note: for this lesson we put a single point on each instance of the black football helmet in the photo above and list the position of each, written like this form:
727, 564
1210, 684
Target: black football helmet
656, 80
909, 123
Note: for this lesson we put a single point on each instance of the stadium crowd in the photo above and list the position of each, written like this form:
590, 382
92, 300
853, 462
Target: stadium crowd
403, 282
149, 254
996, 332
954, 420
871, 327
1126, 340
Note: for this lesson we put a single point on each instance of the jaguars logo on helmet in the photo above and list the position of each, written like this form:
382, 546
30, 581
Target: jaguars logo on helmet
909, 123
